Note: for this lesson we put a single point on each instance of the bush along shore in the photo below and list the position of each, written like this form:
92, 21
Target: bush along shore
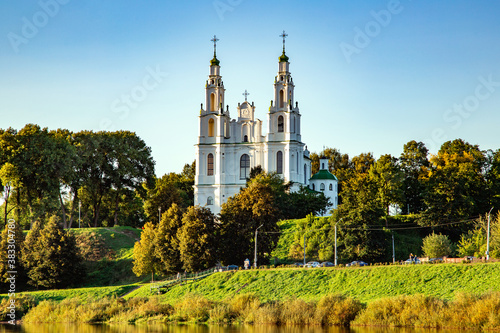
466, 311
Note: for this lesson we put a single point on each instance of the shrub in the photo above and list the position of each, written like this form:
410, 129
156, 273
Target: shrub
337, 310
23, 303
194, 308
437, 246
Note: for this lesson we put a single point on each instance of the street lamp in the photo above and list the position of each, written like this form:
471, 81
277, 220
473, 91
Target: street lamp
255, 253
488, 237
159, 215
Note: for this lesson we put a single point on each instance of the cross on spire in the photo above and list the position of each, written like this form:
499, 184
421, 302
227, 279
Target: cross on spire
215, 40
284, 35
246, 94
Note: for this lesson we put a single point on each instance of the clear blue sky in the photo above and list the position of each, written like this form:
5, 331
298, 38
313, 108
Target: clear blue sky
370, 75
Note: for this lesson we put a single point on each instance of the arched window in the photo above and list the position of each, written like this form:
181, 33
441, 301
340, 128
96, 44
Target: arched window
280, 124
282, 99
244, 166
210, 201
212, 102
305, 173
331, 187
211, 127
314, 187
245, 138
322, 166
279, 162
210, 165
322, 187
294, 125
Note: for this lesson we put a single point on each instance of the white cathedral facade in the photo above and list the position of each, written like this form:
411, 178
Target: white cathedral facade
228, 148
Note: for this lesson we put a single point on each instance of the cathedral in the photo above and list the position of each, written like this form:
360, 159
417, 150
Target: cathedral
228, 148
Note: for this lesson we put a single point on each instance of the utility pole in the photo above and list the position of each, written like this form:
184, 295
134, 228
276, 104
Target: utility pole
335, 261
304, 249
255, 254
79, 212
393, 250
159, 215
488, 237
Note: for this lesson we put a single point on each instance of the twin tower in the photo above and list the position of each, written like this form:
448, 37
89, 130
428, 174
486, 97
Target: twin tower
228, 148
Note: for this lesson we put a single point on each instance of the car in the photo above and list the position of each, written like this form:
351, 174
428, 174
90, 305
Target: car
413, 261
312, 264
436, 260
327, 264
356, 263
232, 268
299, 264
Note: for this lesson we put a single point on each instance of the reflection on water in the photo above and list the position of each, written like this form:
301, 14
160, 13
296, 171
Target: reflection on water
150, 328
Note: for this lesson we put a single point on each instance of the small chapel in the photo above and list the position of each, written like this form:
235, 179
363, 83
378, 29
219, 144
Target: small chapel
227, 149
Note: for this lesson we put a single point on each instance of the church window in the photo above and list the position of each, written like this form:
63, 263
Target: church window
211, 127
279, 162
210, 165
244, 166
331, 187
210, 201
314, 187
322, 166
294, 125
322, 187
245, 138
280, 124
282, 99
212, 102
305, 173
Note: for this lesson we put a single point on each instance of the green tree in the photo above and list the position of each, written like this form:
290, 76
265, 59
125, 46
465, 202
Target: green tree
437, 245
51, 256
456, 185
387, 177
197, 239
259, 205
11, 248
145, 259
414, 165
167, 243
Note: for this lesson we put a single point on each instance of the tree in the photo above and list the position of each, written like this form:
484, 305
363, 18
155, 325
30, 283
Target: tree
387, 177
437, 245
145, 259
51, 256
11, 248
261, 203
166, 241
197, 239
414, 165
456, 185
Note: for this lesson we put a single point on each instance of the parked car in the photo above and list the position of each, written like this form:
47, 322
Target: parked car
312, 264
357, 263
232, 268
327, 264
413, 261
432, 260
299, 264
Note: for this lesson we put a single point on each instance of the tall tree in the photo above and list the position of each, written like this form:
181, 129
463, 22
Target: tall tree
197, 239
387, 177
167, 243
51, 256
415, 165
145, 259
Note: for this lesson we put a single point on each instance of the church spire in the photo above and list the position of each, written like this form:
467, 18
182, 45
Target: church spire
215, 61
283, 57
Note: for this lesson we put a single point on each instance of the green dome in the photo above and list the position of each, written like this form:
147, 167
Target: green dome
214, 61
323, 174
283, 57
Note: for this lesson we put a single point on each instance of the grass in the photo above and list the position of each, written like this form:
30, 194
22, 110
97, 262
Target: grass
363, 283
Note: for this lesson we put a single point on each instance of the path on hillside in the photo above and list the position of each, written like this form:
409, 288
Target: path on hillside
126, 233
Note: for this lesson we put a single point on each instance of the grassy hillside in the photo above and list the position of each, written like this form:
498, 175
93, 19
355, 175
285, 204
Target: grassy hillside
362, 283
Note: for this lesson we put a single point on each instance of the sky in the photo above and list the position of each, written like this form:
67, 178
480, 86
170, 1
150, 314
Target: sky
369, 75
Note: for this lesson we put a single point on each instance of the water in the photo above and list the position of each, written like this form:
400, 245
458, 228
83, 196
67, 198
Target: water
158, 328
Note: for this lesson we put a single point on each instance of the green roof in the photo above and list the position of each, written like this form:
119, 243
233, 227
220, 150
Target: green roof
283, 57
323, 174
214, 61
